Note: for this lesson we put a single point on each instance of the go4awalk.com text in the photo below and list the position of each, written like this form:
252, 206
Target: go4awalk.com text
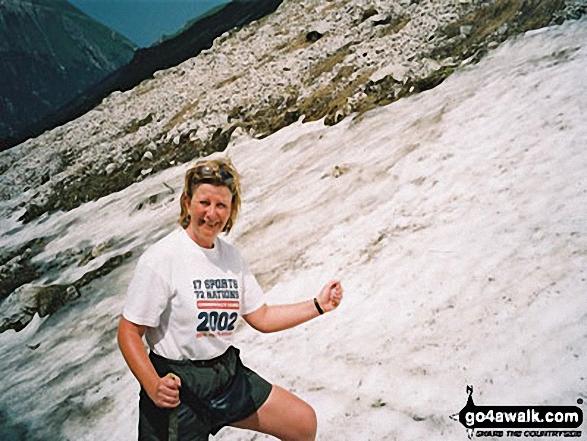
520, 421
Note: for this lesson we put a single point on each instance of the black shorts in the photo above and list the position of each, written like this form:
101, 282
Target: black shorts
213, 394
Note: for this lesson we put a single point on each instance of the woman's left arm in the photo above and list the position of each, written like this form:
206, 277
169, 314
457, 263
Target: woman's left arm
272, 318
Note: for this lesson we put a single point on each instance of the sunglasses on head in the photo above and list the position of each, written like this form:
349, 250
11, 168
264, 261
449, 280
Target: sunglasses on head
214, 172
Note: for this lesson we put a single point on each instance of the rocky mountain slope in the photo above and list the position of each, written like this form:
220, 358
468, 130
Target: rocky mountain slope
50, 52
312, 59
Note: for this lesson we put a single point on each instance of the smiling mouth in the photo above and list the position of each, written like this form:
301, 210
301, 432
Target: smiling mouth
202, 222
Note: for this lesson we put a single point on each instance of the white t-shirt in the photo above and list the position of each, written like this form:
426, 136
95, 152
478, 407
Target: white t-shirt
190, 297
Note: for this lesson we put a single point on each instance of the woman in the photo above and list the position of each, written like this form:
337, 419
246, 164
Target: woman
187, 292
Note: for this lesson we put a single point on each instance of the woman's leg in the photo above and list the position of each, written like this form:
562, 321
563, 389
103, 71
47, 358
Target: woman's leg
283, 415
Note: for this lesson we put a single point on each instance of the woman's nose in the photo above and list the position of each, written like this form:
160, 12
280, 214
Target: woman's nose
211, 211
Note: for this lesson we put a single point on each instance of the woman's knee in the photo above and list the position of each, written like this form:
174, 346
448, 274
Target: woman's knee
308, 424
301, 424
284, 416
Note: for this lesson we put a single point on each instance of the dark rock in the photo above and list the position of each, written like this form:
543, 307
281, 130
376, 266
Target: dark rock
385, 20
221, 138
313, 36
432, 80
368, 13
17, 267
19, 308
135, 125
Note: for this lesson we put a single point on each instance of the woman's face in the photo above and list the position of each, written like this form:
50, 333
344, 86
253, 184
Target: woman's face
209, 210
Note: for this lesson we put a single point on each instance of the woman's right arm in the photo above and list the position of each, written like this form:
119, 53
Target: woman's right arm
163, 391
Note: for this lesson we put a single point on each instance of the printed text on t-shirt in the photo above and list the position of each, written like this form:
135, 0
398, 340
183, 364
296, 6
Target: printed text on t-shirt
214, 297
216, 289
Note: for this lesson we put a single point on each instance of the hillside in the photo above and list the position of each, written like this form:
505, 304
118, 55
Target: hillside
311, 59
453, 211
146, 61
50, 53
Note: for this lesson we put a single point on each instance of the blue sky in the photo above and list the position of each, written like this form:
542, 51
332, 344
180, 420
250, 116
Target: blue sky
144, 21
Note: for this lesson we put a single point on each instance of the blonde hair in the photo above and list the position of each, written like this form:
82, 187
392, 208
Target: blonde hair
192, 181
